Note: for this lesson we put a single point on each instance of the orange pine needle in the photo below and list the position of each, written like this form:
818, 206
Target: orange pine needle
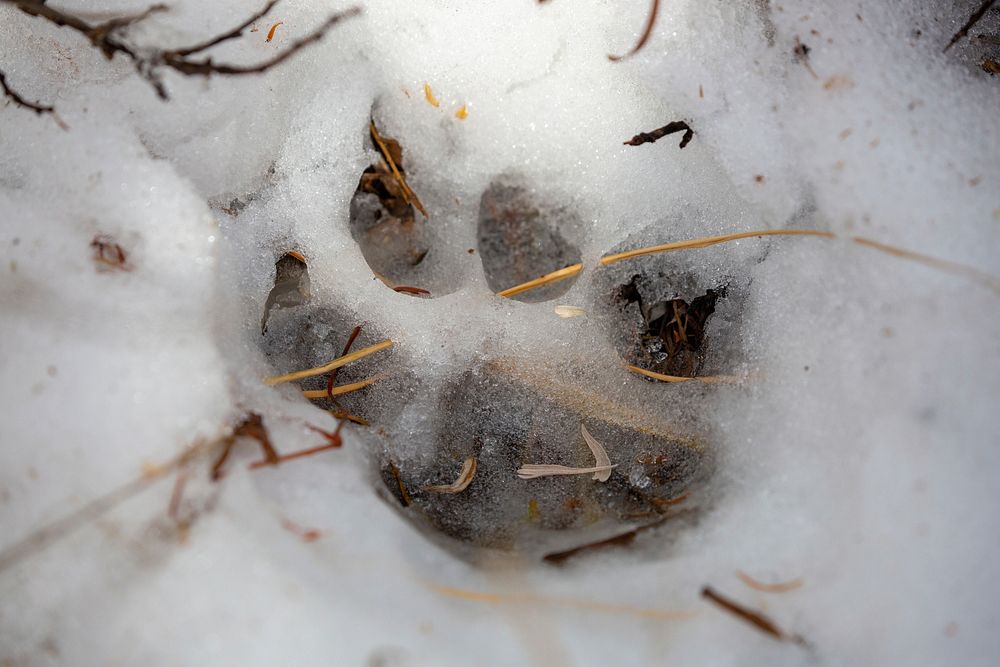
270, 33
429, 96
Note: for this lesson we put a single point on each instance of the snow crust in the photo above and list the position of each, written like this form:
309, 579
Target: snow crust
861, 455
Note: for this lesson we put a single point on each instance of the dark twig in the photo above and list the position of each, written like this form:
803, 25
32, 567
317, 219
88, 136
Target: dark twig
973, 20
148, 65
646, 33
207, 68
20, 101
333, 374
669, 128
232, 34
754, 618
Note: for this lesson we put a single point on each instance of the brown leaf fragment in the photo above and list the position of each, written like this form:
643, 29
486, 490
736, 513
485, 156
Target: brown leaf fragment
393, 157
659, 133
109, 254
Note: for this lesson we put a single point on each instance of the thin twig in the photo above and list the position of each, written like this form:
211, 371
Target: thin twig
37, 107
347, 348
232, 34
147, 65
754, 618
65, 526
334, 441
973, 20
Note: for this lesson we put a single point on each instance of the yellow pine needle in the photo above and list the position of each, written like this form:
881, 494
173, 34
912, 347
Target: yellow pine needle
555, 276
408, 194
326, 368
429, 96
460, 484
710, 241
985, 279
462, 113
707, 379
340, 389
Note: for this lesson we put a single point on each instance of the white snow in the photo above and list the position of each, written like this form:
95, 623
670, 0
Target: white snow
861, 454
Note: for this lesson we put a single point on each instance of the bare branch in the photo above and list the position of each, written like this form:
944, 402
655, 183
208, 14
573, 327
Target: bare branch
232, 34
207, 68
148, 65
20, 101
37, 107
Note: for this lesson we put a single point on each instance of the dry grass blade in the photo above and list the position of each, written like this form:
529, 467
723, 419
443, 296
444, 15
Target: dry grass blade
548, 278
534, 471
326, 368
408, 194
532, 599
707, 379
47, 535
460, 484
779, 587
569, 311
985, 279
340, 389
707, 241
600, 455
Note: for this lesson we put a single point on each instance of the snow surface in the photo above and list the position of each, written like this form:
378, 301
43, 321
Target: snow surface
862, 455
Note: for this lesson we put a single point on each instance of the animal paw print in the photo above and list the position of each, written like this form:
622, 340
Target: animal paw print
525, 389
